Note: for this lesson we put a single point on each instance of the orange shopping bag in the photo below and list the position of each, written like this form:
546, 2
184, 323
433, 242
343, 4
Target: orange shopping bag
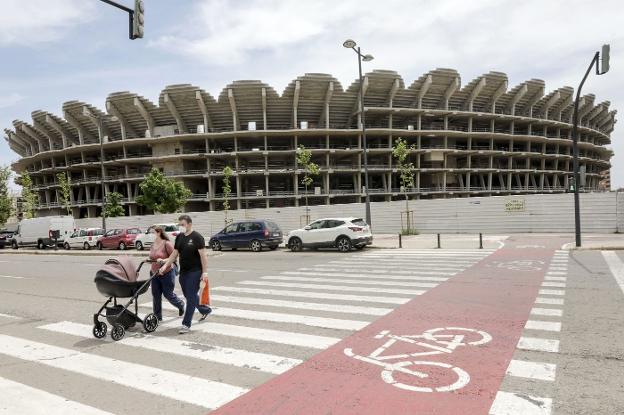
204, 293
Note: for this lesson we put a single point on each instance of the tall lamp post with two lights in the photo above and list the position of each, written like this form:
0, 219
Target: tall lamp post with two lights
350, 44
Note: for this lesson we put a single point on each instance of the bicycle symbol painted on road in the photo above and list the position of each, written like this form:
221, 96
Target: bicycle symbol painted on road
518, 265
438, 341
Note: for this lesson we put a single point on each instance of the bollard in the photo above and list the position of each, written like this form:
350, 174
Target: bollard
400, 241
480, 241
438, 241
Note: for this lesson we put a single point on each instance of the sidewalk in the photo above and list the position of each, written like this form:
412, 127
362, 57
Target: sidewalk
604, 242
429, 241
80, 252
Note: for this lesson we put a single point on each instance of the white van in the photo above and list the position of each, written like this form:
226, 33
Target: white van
36, 231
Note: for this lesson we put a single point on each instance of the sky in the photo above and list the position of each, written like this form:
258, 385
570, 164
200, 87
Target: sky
52, 51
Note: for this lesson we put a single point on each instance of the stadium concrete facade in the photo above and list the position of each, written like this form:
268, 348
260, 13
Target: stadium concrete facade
479, 139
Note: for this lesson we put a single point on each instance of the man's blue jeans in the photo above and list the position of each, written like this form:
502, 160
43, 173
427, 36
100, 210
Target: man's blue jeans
162, 286
189, 281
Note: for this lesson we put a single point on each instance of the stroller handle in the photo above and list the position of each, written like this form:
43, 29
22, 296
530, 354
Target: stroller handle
146, 261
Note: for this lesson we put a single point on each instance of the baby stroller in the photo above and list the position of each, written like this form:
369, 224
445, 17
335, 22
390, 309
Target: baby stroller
118, 278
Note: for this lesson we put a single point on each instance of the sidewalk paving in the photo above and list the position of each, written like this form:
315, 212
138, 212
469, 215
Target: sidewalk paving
80, 252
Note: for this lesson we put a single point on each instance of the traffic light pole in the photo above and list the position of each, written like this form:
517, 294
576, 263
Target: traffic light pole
575, 150
131, 32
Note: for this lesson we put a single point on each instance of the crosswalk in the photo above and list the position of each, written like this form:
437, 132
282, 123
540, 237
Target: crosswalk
259, 328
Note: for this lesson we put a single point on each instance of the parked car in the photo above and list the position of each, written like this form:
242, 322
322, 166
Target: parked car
5, 237
36, 231
145, 240
121, 238
83, 238
252, 234
341, 233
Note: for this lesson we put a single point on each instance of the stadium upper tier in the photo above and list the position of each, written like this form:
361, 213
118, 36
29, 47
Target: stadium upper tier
481, 137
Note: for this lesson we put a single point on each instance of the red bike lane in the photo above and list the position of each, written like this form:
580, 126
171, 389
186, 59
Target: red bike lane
495, 296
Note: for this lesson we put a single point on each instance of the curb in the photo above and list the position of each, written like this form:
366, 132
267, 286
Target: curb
77, 253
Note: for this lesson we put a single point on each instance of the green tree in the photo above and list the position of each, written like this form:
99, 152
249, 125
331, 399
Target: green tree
65, 191
401, 151
161, 194
227, 191
6, 201
310, 170
113, 207
30, 199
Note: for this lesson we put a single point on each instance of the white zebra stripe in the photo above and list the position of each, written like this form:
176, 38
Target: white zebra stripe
266, 335
362, 274
348, 281
314, 294
333, 287
156, 381
209, 352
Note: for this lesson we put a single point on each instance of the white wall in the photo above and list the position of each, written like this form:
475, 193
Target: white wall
541, 213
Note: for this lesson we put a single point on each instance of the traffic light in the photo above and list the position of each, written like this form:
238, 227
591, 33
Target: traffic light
604, 57
138, 21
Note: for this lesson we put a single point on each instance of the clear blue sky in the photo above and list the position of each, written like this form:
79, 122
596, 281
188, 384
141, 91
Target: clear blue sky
59, 50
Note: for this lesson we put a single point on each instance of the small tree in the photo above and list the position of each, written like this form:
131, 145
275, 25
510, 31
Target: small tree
227, 191
65, 187
30, 198
401, 151
6, 201
161, 194
113, 207
310, 170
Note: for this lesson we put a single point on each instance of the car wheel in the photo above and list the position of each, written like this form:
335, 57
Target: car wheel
139, 246
216, 245
86, 246
122, 246
343, 244
14, 245
295, 244
255, 245
99, 246
66, 246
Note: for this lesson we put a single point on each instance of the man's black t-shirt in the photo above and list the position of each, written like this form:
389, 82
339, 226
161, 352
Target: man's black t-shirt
188, 247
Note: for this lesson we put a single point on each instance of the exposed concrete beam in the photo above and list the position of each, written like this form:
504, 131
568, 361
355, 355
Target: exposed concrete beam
395, 87
233, 108
356, 105
55, 125
566, 104
123, 123
584, 109
34, 145
502, 89
82, 133
324, 117
517, 97
176, 114
204, 110
595, 112
423, 91
41, 129
603, 119
149, 120
475, 92
105, 133
533, 100
548, 104
264, 109
33, 134
12, 136
296, 103
450, 90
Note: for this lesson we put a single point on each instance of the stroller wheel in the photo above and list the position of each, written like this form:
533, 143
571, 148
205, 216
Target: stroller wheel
99, 330
118, 332
150, 323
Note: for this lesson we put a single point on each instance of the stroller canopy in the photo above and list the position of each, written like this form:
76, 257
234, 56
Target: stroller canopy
122, 267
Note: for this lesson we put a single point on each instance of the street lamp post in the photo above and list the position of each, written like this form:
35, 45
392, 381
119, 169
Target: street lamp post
604, 68
350, 44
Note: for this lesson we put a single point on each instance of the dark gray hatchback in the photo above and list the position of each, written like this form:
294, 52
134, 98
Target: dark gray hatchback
254, 234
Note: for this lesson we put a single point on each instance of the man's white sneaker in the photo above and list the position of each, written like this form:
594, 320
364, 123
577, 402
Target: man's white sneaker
184, 330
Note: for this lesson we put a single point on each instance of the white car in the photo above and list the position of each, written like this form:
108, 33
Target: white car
83, 238
341, 233
146, 239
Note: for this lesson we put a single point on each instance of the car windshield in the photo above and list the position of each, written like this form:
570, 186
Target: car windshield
171, 228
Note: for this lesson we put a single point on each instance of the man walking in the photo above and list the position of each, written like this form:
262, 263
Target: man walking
190, 247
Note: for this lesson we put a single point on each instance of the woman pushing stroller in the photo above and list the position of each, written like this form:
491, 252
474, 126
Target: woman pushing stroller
164, 284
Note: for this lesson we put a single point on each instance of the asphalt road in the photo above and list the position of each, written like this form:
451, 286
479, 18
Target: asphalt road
279, 310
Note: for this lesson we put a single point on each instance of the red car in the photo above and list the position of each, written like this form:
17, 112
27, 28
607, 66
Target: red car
118, 238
